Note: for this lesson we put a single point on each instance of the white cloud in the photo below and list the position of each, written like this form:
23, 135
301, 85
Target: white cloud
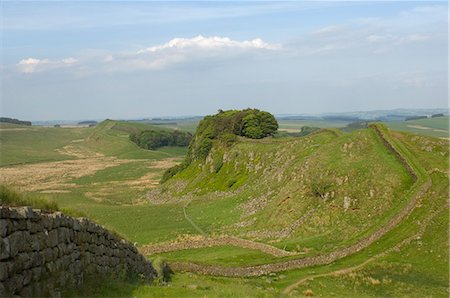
327, 30
184, 50
175, 51
31, 65
69, 60
210, 43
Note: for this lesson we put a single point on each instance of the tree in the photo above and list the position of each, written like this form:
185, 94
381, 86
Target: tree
268, 123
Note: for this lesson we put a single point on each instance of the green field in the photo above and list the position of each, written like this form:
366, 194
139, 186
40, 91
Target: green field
306, 196
434, 127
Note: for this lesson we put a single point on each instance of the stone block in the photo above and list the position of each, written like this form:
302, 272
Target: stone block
25, 212
53, 238
4, 272
4, 227
5, 249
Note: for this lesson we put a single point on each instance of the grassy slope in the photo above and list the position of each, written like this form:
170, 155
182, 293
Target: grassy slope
280, 172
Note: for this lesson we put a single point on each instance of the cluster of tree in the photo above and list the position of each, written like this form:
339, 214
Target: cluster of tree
88, 122
437, 115
14, 121
153, 139
415, 118
226, 125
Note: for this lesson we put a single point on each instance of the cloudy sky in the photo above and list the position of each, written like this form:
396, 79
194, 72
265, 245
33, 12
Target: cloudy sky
93, 60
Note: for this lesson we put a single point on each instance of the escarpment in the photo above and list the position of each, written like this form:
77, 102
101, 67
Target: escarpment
43, 254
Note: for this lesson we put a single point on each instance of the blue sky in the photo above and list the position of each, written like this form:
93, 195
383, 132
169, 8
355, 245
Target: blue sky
83, 60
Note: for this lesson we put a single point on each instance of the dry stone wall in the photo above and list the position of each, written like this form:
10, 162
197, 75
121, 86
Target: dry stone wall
42, 254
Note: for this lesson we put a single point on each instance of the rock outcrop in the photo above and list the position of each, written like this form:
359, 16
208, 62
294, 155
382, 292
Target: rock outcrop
42, 254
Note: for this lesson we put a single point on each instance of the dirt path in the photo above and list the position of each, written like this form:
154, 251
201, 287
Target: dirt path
201, 242
418, 190
193, 224
348, 270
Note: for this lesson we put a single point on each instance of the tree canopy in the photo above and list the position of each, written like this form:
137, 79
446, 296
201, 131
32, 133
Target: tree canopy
153, 139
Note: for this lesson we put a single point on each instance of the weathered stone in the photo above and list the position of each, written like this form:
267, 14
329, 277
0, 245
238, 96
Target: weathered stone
36, 273
4, 227
5, 249
4, 272
5, 212
53, 238
15, 244
27, 277
26, 292
36, 227
25, 212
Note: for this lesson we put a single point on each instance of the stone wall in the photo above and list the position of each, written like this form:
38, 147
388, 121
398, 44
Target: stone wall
42, 254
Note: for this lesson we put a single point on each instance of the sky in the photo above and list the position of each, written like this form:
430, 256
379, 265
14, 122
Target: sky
128, 60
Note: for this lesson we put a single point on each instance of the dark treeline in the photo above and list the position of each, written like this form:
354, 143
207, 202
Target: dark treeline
14, 121
153, 139
415, 118
88, 122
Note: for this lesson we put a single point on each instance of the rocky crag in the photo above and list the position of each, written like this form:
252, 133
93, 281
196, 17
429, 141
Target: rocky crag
43, 254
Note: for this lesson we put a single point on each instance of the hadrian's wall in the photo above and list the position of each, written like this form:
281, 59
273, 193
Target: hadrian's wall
41, 254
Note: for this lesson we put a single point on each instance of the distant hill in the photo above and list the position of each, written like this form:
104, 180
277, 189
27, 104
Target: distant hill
14, 121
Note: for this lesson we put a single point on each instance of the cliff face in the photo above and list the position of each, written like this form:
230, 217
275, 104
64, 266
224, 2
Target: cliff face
42, 254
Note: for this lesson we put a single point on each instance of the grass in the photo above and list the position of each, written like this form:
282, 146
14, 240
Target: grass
219, 255
128, 171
